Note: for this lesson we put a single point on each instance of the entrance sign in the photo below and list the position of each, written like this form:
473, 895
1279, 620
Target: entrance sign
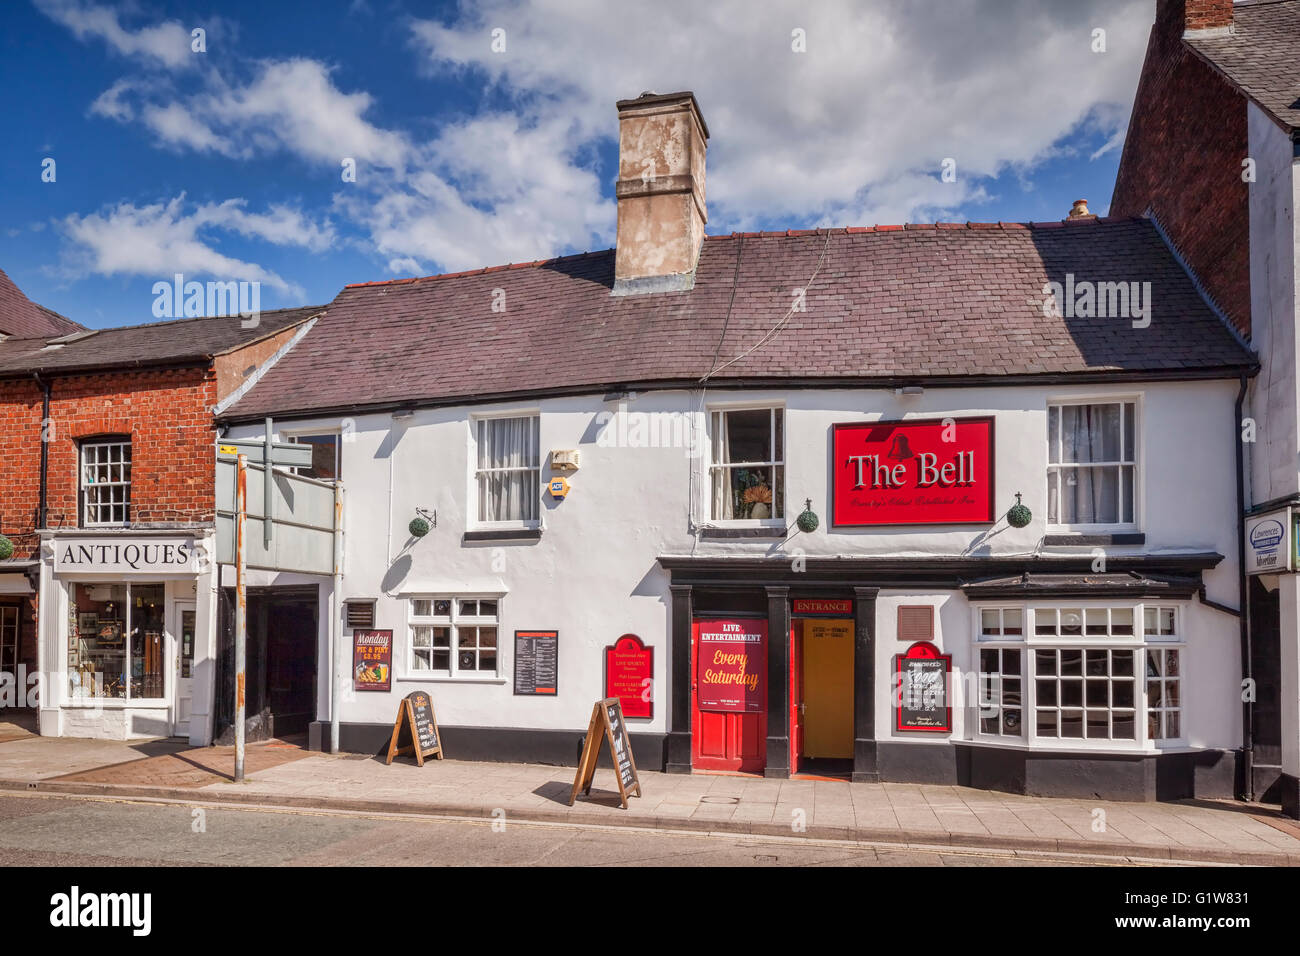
926, 471
372, 660
607, 724
838, 607
731, 668
1269, 543
415, 731
629, 675
537, 663
921, 689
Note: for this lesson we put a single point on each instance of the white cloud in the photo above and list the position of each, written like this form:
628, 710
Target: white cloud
162, 239
165, 43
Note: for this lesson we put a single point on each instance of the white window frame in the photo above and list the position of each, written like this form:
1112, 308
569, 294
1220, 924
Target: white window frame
452, 621
1139, 457
84, 487
710, 466
473, 522
296, 437
1140, 642
170, 671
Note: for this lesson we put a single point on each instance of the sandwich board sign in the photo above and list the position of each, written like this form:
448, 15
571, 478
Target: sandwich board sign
415, 731
607, 724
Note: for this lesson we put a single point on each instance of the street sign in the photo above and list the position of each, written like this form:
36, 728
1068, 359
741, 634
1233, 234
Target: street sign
284, 454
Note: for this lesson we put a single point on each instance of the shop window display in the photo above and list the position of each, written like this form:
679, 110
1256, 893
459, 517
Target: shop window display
117, 641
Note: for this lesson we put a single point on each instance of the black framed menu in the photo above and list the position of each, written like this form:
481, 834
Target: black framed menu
537, 663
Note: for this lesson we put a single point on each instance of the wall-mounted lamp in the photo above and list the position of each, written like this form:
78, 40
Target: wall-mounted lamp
423, 521
619, 395
403, 414
910, 390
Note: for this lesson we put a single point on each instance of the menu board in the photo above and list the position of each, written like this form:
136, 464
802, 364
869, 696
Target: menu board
537, 662
607, 725
921, 689
372, 660
415, 731
629, 676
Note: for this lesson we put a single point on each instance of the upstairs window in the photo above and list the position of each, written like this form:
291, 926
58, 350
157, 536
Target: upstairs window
1092, 464
106, 482
508, 471
747, 470
326, 456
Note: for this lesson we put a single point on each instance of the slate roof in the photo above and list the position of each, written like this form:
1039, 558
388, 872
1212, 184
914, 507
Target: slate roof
154, 344
1261, 57
20, 316
935, 303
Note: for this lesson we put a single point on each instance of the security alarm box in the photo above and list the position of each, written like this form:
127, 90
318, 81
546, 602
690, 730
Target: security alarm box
564, 459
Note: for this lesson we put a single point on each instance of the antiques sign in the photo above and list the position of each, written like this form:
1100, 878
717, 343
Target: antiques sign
921, 689
372, 660
629, 675
731, 666
105, 555
537, 655
932, 471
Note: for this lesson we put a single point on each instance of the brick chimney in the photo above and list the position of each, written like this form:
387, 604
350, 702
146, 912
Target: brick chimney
660, 190
1205, 18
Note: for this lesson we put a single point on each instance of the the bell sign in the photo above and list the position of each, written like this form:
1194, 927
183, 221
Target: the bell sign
932, 471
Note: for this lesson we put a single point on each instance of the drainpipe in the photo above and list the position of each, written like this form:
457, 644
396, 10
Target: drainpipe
45, 451
1243, 601
335, 631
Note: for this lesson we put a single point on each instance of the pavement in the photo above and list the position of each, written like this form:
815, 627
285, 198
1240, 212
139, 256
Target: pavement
283, 774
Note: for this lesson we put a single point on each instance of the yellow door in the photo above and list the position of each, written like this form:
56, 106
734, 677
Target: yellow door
827, 688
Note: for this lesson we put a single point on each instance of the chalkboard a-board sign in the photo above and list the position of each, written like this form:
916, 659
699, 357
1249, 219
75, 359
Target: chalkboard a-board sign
922, 689
537, 656
607, 724
415, 731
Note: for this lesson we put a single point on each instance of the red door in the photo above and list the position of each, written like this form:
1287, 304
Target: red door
796, 694
728, 734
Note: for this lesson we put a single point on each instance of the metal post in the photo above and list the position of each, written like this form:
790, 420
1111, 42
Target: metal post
241, 610
336, 630
268, 490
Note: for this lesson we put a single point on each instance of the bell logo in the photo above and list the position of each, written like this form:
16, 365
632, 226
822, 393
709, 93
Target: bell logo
77, 909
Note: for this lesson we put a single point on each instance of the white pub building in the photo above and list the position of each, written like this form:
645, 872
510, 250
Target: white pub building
879, 503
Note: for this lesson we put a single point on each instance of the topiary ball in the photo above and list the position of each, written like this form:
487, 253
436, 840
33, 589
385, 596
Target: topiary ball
418, 527
6, 548
1019, 516
808, 520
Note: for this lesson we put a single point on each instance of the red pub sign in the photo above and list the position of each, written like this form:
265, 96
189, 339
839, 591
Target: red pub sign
930, 471
629, 675
732, 666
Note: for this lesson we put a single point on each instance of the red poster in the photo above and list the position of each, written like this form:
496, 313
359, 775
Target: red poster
629, 675
936, 471
732, 664
372, 660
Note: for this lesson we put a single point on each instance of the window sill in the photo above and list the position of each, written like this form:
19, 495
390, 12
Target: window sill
502, 534
763, 531
114, 704
447, 679
1058, 747
1078, 539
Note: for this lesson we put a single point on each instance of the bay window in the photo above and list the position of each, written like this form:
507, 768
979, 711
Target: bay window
1092, 464
747, 467
1093, 675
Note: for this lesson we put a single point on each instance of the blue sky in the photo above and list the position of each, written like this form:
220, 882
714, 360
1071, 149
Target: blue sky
226, 164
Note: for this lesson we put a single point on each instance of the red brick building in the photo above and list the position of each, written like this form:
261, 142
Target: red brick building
107, 496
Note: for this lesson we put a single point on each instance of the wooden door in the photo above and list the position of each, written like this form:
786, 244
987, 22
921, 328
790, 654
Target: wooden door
827, 728
728, 740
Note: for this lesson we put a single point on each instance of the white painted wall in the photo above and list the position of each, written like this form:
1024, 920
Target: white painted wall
593, 575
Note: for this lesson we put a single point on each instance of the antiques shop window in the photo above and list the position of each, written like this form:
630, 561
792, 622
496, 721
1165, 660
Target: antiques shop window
454, 636
105, 482
117, 646
747, 464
